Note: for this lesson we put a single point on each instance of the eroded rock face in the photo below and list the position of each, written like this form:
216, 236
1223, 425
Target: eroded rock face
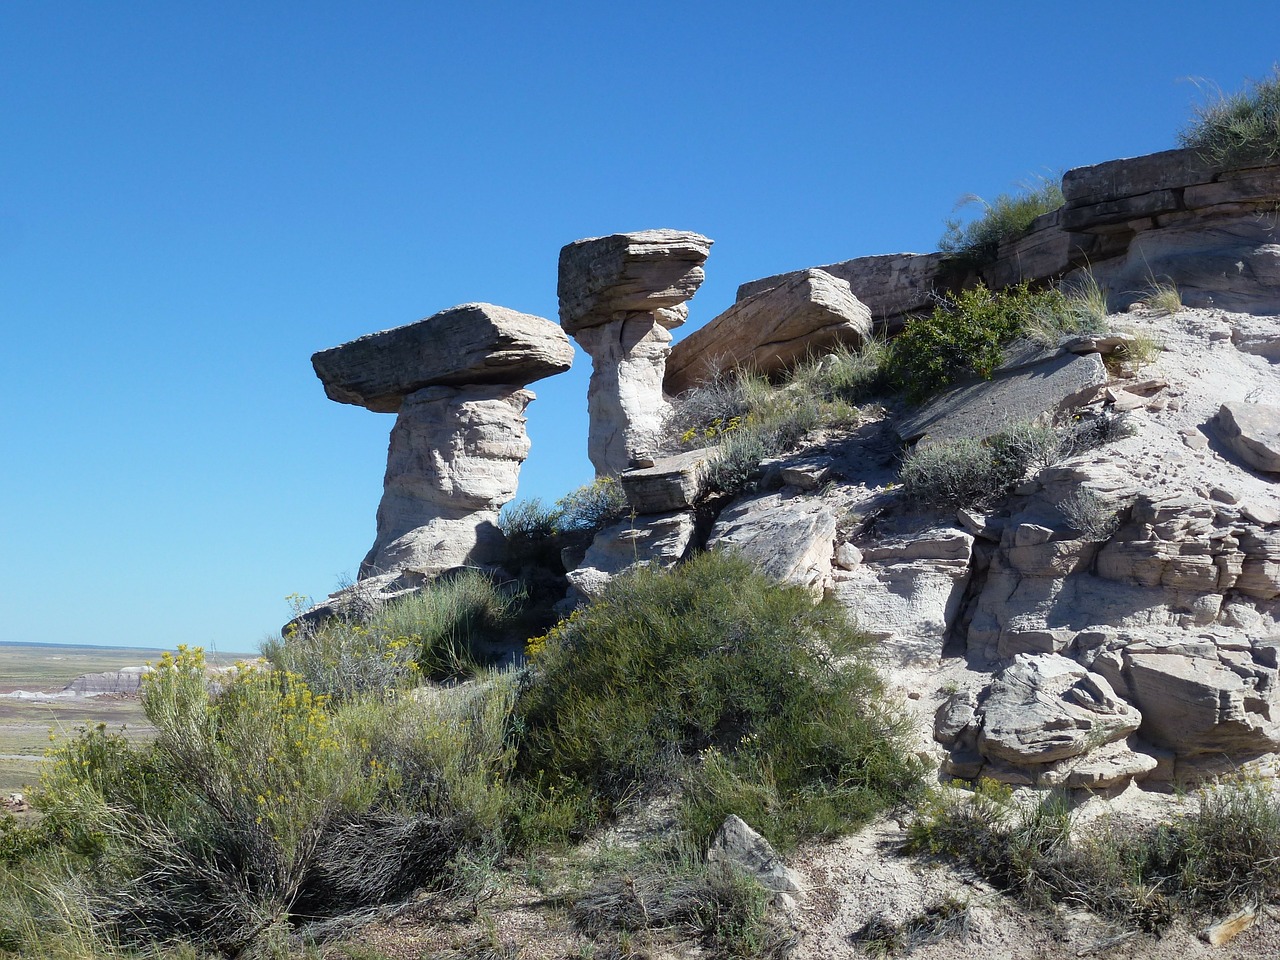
454, 460
456, 382
662, 538
620, 296
772, 330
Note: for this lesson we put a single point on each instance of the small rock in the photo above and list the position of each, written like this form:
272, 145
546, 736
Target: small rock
737, 846
1228, 928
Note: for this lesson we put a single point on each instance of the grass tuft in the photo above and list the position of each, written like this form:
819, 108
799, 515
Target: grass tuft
1236, 129
977, 243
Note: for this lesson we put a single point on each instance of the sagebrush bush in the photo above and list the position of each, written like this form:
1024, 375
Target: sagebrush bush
713, 656
976, 243
1224, 855
1232, 130
261, 805
964, 472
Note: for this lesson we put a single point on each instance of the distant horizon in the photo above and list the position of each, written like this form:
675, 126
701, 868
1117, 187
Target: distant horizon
116, 646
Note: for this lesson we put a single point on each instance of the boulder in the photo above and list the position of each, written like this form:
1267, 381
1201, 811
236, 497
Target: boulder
1252, 432
672, 483
619, 297
1045, 708
772, 331
1111, 765
891, 285
740, 848
792, 539
453, 462
475, 343
1017, 392
663, 539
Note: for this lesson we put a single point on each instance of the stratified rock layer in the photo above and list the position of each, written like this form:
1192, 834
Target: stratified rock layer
619, 298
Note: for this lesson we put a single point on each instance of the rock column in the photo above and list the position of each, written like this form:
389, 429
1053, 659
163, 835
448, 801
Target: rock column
620, 297
456, 382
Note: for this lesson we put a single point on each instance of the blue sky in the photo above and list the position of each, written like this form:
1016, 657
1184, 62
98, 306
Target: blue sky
196, 196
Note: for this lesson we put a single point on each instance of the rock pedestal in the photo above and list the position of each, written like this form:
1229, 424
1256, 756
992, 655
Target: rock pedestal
620, 296
456, 382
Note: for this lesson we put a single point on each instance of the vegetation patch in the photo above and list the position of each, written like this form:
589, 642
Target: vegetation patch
965, 335
1237, 129
765, 702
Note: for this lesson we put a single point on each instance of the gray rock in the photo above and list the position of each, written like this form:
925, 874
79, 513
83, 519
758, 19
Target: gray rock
1229, 263
1108, 766
672, 483
1045, 708
1198, 705
792, 539
475, 343
603, 279
740, 848
1018, 392
663, 539
771, 331
908, 592
1101, 182
1252, 431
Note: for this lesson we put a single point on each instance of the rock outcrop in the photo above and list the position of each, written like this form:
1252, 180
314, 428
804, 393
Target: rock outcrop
1169, 217
620, 297
772, 330
456, 383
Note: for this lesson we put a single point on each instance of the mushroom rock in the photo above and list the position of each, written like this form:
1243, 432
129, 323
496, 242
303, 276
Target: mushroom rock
620, 297
456, 382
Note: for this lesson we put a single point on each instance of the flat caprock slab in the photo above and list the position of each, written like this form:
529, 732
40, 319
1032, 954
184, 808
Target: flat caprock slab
474, 343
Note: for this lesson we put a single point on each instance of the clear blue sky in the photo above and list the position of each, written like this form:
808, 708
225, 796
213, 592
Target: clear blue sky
196, 196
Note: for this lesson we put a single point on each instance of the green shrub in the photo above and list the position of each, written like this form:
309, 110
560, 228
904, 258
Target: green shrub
962, 337
592, 507
956, 473
261, 804
712, 656
1238, 129
976, 243
1164, 297
448, 621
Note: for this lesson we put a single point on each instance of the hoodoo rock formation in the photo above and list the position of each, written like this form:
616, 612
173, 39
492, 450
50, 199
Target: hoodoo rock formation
620, 297
456, 383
